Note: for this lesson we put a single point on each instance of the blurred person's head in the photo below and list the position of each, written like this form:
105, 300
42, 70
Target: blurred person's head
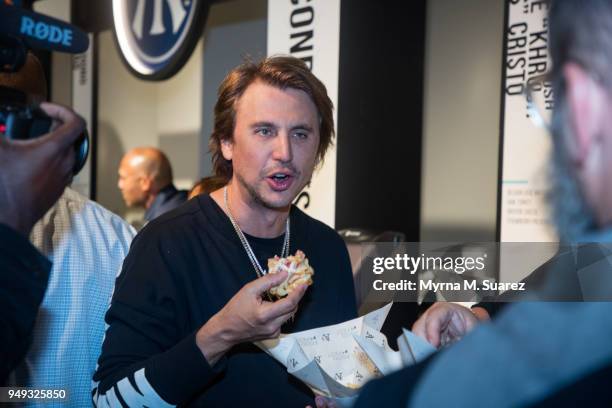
206, 185
143, 173
581, 51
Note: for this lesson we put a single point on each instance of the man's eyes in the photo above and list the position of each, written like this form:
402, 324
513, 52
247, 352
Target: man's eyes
299, 134
264, 131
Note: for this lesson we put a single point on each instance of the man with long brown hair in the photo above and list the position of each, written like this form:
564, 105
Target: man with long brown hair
191, 297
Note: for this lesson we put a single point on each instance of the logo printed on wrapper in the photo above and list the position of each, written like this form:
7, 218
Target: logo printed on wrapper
308, 341
293, 362
340, 355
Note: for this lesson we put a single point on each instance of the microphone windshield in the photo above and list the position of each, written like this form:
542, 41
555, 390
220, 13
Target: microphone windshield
42, 32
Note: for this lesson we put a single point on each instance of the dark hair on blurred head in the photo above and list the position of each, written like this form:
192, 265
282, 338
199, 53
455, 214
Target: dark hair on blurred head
279, 71
580, 32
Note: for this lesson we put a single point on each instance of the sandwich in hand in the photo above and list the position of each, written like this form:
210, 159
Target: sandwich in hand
299, 273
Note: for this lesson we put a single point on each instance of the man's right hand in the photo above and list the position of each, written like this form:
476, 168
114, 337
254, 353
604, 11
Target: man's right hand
35, 172
248, 317
445, 322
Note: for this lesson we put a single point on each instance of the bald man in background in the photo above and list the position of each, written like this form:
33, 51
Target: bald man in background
145, 180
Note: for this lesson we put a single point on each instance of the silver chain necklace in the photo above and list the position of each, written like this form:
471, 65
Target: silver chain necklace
245, 244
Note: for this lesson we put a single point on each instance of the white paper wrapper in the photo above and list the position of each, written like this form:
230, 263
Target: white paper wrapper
335, 361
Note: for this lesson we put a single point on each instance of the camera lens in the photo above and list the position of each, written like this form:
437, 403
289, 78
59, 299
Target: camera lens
21, 122
81, 149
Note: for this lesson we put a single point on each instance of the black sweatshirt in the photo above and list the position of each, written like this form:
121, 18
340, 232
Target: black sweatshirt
183, 268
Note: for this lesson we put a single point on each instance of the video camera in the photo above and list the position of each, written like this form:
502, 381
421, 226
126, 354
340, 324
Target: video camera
20, 31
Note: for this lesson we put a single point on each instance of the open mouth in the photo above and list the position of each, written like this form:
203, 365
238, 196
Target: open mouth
280, 181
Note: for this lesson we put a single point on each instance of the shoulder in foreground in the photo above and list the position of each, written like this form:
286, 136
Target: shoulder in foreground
75, 203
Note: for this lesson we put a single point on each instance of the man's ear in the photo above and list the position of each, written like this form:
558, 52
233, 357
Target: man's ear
227, 149
585, 100
146, 183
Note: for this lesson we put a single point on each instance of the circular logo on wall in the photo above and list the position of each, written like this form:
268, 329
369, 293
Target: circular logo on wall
156, 37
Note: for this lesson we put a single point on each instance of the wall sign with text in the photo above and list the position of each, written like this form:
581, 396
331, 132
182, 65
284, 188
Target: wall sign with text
524, 214
310, 30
